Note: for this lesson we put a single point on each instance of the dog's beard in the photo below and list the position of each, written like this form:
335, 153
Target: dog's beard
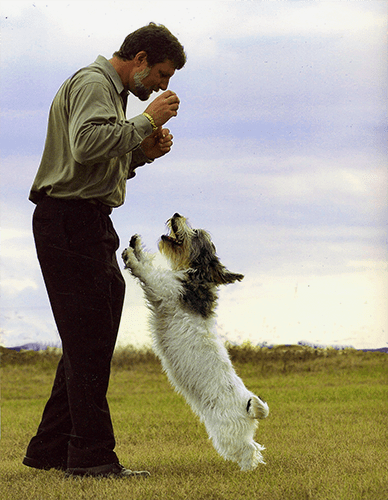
177, 253
176, 250
141, 90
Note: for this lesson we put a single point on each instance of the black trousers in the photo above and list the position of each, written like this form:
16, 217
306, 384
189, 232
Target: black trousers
76, 246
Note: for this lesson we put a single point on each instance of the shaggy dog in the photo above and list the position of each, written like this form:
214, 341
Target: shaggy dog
182, 301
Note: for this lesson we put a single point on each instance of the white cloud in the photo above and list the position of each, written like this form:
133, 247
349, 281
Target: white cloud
200, 23
330, 310
19, 267
12, 233
318, 18
275, 153
18, 246
13, 286
321, 184
369, 265
327, 310
34, 324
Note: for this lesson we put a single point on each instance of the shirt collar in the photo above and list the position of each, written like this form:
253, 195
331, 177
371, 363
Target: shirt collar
110, 72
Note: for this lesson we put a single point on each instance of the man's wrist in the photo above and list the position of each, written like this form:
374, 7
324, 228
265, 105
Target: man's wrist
151, 120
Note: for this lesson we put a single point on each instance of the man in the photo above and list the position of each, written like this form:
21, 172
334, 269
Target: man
91, 150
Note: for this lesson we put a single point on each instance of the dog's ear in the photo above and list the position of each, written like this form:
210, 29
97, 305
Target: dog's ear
205, 261
221, 276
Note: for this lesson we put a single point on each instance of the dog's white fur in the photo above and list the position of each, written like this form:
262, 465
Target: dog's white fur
182, 302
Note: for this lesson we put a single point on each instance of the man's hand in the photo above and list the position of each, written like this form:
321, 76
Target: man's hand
163, 107
157, 144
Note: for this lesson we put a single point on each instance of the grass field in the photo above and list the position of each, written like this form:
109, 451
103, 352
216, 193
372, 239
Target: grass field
325, 438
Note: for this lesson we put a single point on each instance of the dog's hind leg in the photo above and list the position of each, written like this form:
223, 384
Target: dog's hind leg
257, 408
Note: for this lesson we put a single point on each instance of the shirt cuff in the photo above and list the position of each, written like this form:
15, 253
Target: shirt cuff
142, 125
138, 160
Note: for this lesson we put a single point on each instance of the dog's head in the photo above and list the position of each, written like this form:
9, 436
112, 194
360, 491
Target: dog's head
192, 250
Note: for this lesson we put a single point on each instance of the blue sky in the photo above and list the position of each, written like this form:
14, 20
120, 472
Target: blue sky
279, 152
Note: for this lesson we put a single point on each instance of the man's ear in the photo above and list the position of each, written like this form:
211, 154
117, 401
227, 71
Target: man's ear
141, 58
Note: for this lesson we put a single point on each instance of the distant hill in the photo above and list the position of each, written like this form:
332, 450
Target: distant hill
35, 346
383, 349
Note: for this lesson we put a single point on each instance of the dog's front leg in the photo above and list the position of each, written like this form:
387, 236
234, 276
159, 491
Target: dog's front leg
136, 259
132, 256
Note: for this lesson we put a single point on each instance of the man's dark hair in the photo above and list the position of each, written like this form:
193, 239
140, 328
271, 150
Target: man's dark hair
157, 41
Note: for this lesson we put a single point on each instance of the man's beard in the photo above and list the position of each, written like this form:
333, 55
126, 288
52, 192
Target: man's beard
141, 91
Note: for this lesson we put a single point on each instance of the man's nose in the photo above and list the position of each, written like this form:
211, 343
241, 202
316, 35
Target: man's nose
164, 84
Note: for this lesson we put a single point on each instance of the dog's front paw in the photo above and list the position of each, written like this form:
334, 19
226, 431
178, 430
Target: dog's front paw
128, 257
133, 255
136, 244
135, 241
257, 408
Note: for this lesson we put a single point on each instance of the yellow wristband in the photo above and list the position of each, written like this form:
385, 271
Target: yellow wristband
154, 127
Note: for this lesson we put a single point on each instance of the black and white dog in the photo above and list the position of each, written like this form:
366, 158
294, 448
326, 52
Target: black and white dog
182, 302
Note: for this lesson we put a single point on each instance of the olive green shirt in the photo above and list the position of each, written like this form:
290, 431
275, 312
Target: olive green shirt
91, 149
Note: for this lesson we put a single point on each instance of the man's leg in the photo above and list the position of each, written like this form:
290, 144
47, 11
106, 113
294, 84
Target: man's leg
76, 246
49, 448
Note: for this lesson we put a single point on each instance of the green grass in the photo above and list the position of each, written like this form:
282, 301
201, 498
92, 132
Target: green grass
326, 436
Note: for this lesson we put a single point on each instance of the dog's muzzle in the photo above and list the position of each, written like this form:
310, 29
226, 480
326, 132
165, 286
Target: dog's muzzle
173, 237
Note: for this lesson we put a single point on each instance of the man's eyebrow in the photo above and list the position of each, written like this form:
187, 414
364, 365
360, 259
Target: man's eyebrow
164, 74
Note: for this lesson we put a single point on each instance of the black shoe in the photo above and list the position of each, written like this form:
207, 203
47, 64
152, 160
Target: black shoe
109, 470
37, 464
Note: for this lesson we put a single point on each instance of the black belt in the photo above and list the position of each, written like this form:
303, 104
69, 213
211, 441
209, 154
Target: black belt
105, 209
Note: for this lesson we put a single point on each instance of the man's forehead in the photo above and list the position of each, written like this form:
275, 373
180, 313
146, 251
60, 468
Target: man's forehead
166, 67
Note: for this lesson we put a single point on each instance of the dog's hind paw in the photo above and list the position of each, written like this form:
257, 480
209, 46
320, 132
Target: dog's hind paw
257, 408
